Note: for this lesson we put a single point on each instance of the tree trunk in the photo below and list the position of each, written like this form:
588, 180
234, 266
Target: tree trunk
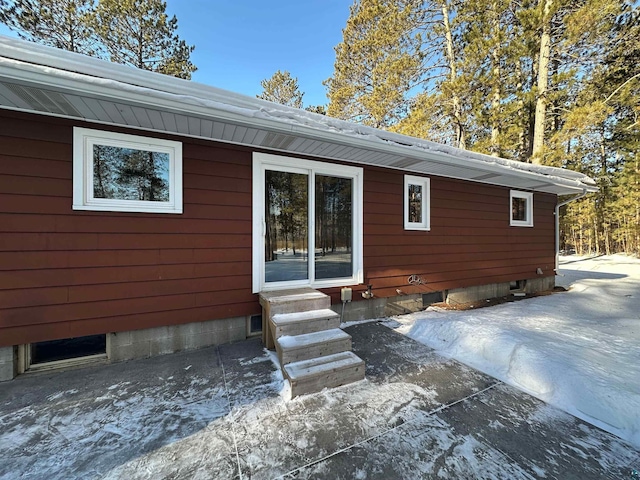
460, 141
543, 83
637, 224
495, 95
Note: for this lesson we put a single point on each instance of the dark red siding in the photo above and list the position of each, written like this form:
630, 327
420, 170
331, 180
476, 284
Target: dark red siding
67, 273
470, 241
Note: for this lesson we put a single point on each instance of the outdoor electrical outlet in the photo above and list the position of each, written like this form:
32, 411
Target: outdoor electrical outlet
346, 294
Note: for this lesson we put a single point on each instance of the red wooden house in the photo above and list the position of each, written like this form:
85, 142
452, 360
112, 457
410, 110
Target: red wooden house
147, 213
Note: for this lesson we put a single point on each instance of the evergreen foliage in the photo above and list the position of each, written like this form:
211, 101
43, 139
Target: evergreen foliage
377, 64
131, 32
282, 88
140, 33
321, 109
62, 24
555, 82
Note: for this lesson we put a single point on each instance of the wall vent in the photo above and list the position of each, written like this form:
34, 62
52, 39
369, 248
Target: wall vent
278, 141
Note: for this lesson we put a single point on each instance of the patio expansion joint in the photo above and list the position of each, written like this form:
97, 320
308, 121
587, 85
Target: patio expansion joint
386, 432
233, 430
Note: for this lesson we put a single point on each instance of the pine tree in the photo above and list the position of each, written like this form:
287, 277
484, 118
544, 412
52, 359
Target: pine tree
320, 109
140, 33
451, 86
619, 80
282, 88
597, 133
489, 70
377, 63
58, 23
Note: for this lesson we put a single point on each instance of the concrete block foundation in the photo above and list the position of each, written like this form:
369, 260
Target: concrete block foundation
479, 292
175, 338
496, 290
8, 363
401, 304
379, 307
541, 284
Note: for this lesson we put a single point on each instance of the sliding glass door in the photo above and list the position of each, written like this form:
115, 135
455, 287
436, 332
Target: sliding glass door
307, 223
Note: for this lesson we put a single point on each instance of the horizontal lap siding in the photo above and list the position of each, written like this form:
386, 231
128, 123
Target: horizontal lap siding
470, 241
67, 273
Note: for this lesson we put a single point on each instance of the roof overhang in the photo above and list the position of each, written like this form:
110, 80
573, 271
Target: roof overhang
48, 81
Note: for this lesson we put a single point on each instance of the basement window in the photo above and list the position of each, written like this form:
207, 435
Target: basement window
254, 325
417, 203
63, 353
521, 209
116, 172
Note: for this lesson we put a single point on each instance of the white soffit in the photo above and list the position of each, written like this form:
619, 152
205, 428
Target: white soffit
44, 80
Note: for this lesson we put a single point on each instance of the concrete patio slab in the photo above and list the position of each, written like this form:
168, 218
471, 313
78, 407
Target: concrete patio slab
219, 413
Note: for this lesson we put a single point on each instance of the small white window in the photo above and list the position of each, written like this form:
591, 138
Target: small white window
521, 209
417, 203
126, 173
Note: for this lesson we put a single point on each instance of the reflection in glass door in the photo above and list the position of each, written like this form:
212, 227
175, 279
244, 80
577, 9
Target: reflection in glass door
286, 218
333, 227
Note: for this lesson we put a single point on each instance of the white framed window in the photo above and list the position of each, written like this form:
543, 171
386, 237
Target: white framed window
117, 172
417, 203
521, 209
307, 223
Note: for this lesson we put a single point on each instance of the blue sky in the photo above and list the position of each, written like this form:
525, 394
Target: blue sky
241, 42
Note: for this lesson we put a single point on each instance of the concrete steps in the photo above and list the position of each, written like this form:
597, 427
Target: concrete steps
314, 352
312, 345
309, 376
299, 323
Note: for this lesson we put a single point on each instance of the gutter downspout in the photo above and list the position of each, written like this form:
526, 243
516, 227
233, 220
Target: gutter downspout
557, 215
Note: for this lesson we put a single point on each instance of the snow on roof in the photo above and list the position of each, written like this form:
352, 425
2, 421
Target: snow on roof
78, 76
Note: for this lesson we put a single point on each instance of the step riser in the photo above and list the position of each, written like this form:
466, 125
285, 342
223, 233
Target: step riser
313, 351
303, 327
299, 306
329, 379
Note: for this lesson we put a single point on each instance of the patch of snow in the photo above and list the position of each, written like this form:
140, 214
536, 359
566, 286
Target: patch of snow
358, 322
579, 350
58, 395
278, 377
298, 341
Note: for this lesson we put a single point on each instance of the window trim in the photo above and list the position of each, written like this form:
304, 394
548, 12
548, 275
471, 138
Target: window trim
425, 183
528, 197
266, 161
83, 141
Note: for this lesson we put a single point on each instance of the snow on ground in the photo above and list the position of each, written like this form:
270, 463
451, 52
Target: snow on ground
579, 350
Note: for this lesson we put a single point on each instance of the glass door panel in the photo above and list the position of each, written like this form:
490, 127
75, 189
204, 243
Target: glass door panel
333, 227
286, 218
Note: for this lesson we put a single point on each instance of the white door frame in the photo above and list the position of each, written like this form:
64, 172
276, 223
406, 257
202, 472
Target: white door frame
265, 161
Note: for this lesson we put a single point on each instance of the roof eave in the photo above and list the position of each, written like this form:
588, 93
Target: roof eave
108, 89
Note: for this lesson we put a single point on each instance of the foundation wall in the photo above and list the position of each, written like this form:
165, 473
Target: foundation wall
399, 305
175, 338
8, 363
